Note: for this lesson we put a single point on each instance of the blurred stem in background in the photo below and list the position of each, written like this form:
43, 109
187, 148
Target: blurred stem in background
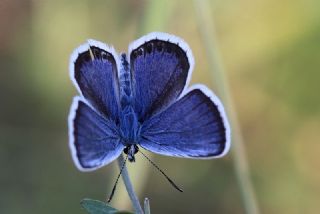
205, 22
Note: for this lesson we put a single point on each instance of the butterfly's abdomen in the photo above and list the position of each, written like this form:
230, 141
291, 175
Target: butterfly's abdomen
125, 82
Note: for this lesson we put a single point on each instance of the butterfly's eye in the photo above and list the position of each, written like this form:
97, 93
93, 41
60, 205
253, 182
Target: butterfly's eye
125, 150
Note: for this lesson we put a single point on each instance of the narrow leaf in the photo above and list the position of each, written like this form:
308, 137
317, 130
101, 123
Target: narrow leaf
97, 207
123, 212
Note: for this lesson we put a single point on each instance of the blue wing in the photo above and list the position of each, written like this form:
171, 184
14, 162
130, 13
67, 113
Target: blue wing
161, 67
195, 126
93, 69
93, 140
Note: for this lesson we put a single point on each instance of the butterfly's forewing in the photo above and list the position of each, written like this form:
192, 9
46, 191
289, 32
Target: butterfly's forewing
160, 66
93, 139
195, 126
93, 70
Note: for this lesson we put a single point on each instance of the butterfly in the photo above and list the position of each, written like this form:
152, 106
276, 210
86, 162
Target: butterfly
142, 99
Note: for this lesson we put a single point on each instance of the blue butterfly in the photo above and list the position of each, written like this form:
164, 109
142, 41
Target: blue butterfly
142, 100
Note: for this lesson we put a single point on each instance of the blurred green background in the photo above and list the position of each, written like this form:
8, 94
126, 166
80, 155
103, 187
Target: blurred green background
271, 54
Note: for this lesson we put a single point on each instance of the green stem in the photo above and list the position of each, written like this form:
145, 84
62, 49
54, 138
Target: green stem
132, 195
207, 30
146, 206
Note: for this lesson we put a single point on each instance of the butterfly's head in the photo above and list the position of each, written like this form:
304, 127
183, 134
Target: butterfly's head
131, 150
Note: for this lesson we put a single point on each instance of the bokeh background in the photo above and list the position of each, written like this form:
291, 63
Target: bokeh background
270, 52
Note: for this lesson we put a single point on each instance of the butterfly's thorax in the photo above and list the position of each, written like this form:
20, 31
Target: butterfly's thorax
129, 124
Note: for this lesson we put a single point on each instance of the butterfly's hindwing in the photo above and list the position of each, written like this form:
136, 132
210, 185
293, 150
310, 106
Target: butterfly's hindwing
193, 127
94, 140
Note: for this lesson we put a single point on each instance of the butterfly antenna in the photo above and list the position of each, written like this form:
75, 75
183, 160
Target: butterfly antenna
171, 182
115, 184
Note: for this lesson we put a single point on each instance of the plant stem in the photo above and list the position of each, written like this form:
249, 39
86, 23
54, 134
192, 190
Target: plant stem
132, 195
206, 27
146, 206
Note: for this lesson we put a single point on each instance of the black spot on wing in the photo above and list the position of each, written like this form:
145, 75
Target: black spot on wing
86, 56
156, 45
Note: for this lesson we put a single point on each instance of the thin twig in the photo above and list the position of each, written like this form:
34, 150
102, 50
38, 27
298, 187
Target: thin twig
206, 27
132, 195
